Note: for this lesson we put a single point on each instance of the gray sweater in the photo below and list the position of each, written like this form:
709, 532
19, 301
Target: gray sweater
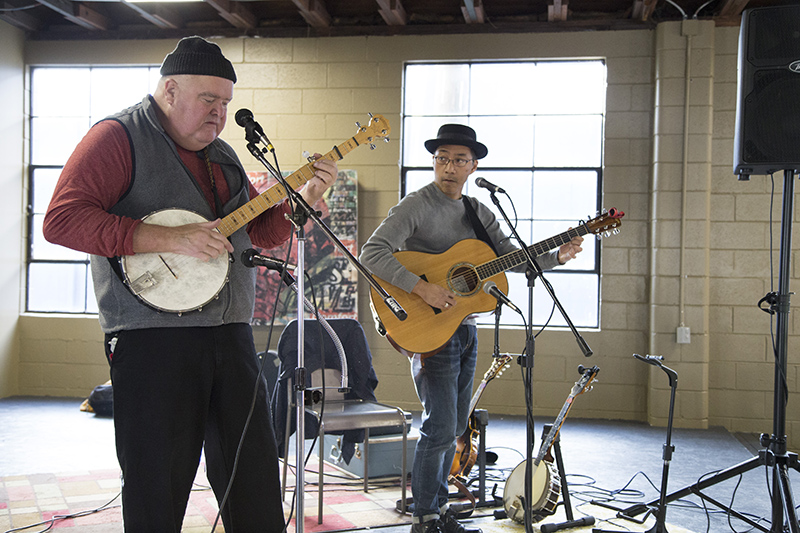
429, 221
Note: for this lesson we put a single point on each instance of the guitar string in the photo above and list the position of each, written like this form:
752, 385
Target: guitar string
178, 261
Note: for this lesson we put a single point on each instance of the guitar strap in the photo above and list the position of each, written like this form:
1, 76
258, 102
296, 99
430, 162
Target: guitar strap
477, 225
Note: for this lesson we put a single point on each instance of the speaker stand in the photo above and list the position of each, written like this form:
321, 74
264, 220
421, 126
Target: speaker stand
774, 454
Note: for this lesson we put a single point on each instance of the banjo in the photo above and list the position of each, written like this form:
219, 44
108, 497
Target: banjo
545, 481
179, 283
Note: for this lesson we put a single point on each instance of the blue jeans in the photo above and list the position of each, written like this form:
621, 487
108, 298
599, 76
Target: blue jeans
444, 386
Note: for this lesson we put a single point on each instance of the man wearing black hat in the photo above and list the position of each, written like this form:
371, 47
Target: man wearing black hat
432, 220
183, 382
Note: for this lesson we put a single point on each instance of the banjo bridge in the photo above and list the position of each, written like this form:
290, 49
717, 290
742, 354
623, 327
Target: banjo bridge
143, 282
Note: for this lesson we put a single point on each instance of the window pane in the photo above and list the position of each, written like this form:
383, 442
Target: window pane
114, 89
509, 140
43, 183
574, 87
436, 89
417, 179
516, 183
565, 195
60, 92
578, 293
568, 141
57, 287
53, 139
502, 88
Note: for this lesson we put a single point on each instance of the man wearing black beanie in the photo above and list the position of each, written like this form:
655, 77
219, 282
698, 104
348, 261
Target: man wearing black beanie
183, 379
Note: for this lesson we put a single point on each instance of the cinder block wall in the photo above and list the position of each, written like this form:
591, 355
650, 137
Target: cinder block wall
307, 94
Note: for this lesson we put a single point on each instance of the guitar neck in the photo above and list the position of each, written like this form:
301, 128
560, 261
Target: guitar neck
276, 193
518, 257
477, 396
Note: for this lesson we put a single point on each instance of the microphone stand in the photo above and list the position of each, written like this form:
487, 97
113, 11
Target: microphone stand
301, 213
527, 360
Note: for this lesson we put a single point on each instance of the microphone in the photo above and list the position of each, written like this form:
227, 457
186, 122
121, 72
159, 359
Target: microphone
253, 131
480, 182
251, 259
490, 287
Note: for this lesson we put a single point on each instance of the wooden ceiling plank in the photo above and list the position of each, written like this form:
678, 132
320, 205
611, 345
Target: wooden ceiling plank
234, 13
314, 12
473, 11
161, 17
731, 8
79, 14
20, 18
393, 12
557, 10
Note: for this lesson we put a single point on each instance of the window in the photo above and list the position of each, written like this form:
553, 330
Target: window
64, 103
543, 124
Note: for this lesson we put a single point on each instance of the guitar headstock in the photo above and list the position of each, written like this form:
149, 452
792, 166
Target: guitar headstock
378, 128
587, 376
499, 365
607, 223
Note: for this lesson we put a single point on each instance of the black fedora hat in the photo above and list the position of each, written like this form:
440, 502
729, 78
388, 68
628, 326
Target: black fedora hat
460, 135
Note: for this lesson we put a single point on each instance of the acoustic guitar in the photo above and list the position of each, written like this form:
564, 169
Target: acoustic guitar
545, 481
179, 283
463, 269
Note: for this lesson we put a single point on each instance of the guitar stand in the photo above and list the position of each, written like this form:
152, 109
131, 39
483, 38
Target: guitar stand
464, 510
570, 522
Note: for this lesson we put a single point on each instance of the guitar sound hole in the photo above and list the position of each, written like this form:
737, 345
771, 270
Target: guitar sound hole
463, 280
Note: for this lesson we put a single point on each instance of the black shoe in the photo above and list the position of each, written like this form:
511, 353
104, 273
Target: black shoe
451, 525
431, 526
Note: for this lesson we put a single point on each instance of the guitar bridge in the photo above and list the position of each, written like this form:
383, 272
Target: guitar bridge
142, 283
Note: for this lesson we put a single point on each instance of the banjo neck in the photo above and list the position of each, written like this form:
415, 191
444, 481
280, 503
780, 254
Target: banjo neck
378, 128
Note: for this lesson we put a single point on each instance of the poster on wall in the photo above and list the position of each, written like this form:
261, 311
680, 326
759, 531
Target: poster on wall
329, 273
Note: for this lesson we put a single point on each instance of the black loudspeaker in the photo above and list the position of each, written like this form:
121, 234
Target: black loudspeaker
767, 137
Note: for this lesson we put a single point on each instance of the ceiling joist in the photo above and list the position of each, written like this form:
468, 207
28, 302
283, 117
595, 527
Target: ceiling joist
392, 12
642, 9
473, 11
79, 14
557, 10
235, 13
160, 16
314, 12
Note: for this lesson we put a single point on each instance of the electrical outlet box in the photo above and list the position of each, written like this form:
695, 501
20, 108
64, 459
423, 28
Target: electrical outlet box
684, 335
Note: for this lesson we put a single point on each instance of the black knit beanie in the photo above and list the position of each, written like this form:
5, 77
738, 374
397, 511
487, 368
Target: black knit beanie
195, 55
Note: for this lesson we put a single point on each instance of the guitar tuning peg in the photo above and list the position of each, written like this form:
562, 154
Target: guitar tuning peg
607, 233
615, 231
386, 139
370, 114
358, 124
598, 236
371, 146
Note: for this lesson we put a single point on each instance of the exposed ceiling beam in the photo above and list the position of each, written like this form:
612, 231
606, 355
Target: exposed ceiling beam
17, 16
79, 14
557, 10
731, 8
392, 12
314, 12
642, 9
161, 16
473, 11
235, 13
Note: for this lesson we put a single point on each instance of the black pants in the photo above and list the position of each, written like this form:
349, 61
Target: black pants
177, 391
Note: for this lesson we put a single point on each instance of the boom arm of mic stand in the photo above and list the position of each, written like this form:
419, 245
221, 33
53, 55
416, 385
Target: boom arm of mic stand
390, 302
587, 351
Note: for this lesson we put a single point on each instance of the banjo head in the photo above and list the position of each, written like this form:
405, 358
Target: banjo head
545, 489
173, 282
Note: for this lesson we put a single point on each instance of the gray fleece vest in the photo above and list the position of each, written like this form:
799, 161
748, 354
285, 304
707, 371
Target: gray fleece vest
160, 180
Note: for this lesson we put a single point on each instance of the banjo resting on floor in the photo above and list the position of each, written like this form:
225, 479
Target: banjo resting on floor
179, 283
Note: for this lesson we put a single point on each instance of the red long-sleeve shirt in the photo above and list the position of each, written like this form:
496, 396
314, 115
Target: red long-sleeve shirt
96, 176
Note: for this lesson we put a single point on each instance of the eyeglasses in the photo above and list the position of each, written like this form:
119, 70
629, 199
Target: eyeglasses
442, 160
